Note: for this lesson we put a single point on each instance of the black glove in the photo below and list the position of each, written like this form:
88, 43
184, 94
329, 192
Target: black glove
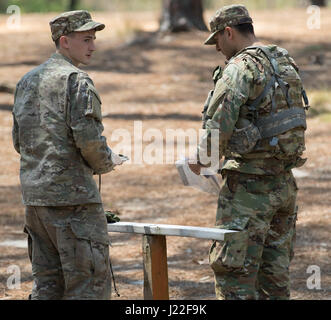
112, 216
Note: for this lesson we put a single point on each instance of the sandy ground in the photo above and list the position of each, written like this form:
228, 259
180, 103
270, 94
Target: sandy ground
161, 83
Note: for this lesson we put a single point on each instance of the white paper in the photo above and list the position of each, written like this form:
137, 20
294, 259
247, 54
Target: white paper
209, 182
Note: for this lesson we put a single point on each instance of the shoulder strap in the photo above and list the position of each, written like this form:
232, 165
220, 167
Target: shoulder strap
284, 120
217, 74
274, 79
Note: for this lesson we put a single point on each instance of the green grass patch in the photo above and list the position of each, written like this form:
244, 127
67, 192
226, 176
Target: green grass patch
320, 102
311, 49
325, 117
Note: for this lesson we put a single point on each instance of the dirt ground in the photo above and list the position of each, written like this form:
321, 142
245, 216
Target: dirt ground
163, 82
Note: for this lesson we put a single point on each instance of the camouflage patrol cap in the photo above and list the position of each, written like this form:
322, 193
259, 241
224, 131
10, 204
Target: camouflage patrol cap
73, 21
227, 16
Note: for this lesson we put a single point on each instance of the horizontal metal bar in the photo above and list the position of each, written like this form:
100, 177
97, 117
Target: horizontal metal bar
171, 230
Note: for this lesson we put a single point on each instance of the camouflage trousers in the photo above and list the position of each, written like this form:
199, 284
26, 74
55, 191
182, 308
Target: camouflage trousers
69, 252
257, 265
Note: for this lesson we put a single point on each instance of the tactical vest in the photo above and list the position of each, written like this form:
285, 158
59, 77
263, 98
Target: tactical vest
279, 131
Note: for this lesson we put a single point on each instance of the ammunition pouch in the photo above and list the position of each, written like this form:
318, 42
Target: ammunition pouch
244, 140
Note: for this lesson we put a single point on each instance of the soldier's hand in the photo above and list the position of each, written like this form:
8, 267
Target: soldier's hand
112, 217
195, 168
118, 159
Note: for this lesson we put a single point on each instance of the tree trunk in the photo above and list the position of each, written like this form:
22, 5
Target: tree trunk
321, 3
6, 87
73, 5
182, 15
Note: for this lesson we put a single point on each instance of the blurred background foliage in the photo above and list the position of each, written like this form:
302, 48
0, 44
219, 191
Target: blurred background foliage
139, 5
320, 98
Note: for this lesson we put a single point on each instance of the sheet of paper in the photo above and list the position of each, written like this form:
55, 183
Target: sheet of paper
207, 183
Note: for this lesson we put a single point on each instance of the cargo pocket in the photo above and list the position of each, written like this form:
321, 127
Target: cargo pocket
229, 255
94, 104
244, 140
261, 185
92, 248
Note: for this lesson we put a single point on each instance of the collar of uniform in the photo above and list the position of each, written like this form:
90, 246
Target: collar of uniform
237, 54
59, 56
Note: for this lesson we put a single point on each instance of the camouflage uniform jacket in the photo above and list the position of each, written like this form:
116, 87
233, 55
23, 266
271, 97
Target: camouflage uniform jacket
242, 81
57, 131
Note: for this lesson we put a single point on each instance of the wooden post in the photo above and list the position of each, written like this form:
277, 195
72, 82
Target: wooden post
155, 267
155, 250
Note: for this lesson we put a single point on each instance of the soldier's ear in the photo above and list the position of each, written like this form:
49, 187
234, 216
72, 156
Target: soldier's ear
64, 42
228, 31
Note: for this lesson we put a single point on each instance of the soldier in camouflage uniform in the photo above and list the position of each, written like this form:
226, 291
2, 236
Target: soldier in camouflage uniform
258, 111
58, 133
